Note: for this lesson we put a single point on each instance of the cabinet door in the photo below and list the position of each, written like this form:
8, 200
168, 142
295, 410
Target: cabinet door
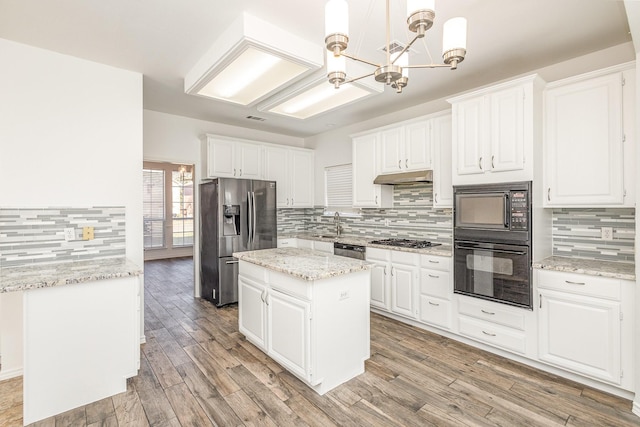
418, 146
301, 178
277, 169
442, 184
365, 170
249, 161
379, 285
507, 130
581, 334
583, 143
290, 332
220, 158
392, 150
252, 311
403, 287
469, 130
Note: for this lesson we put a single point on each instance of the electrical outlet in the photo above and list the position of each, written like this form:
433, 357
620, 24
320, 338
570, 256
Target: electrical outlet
607, 233
87, 233
386, 222
69, 234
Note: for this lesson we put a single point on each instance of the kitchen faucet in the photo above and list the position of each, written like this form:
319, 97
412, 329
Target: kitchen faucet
336, 219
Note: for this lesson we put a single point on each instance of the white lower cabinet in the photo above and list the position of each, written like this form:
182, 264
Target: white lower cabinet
380, 277
582, 323
436, 289
394, 281
252, 313
289, 331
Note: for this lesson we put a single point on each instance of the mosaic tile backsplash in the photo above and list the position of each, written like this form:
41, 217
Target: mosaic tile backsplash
36, 236
412, 216
577, 233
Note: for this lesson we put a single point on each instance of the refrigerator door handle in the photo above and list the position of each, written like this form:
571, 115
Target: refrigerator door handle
249, 219
253, 227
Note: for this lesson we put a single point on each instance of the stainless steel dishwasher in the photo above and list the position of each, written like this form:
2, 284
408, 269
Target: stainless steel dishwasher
351, 251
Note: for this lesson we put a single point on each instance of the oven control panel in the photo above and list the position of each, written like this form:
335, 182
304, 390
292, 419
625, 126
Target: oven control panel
519, 210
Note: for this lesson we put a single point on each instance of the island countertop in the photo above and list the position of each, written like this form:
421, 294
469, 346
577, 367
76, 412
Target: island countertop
36, 276
303, 263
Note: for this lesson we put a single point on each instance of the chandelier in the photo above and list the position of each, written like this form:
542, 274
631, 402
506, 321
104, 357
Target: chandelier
394, 72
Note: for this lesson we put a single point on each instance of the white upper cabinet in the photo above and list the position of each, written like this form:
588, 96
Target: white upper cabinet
365, 163
232, 158
442, 186
588, 152
292, 169
406, 147
494, 131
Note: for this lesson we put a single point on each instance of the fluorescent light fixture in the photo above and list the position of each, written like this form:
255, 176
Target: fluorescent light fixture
250, 61
316, 96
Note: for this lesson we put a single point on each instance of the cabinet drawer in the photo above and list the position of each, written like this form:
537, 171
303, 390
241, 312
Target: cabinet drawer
582, 284
404, 258
287, 243
491, 313
435, 262
378, 254
435, 311
435, 283
493, 334
290, 285
253, 271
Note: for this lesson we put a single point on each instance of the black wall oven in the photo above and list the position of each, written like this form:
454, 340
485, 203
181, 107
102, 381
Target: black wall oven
492, 242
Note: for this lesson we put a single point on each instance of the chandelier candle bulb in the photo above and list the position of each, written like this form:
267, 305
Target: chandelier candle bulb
336, 25
454, 41
414, 6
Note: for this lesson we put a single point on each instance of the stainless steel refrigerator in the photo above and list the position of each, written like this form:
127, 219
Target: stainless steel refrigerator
235, 215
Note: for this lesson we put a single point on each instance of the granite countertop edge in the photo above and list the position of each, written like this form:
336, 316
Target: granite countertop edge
305, 264
609, 269
36, 276
443, 250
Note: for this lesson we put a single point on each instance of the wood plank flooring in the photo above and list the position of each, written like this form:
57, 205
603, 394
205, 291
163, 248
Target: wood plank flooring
198, 370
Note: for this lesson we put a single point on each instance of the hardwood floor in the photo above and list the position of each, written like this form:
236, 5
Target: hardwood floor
198, 370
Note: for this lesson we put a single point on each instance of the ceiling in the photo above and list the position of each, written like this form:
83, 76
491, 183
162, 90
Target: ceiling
163, 39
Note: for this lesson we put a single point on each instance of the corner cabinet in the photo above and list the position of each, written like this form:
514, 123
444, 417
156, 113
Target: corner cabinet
589, 144
232, 158
366, 166
494, 132
292, 169
585, 322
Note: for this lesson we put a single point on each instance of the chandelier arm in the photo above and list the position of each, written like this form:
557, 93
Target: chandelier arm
428, 66
406, 48
356, 78
355, 58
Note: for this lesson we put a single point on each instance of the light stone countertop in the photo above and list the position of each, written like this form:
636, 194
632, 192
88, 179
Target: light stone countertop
611, 269
303, 263
36, 276
442, 250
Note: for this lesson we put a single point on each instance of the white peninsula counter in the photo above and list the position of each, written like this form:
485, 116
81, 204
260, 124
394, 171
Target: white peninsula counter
307, 310
80, 331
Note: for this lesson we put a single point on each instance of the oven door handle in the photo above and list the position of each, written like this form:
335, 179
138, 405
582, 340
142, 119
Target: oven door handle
502, 251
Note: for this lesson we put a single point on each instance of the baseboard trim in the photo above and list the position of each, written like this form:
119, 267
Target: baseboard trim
143, 339
636, 406
5, 375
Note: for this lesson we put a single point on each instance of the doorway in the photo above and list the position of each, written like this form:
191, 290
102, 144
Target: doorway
168, 208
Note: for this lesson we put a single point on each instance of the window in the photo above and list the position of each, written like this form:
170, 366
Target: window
338, 190
168, 210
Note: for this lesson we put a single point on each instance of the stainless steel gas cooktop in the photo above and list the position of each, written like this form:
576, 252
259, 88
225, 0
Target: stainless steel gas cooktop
405, 243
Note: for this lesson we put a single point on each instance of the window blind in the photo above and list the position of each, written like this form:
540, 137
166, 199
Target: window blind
338, 186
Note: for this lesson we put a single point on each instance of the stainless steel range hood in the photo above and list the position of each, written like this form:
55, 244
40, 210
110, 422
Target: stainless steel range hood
405, 177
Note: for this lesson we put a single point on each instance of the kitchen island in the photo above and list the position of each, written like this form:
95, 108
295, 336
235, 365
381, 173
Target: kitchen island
307, 310
80, 331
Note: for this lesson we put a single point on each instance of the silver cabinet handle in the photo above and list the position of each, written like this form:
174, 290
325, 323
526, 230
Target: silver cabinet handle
480, 163
399, 164
434, 276
392, 271
287, 201
492, 166
435, 197
487, 312
406, 163
240, 172
376, 200
549, 194
434, 304
575, 283
385, 270
488, 333
434, 262
234, 171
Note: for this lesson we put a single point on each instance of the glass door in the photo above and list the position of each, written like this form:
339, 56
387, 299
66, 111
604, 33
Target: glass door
168, 210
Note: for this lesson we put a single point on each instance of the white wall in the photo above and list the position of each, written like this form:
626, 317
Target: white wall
334, 147
176, 139
70, 135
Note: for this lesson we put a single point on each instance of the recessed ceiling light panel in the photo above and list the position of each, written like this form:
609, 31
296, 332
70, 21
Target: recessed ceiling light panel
250, 61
